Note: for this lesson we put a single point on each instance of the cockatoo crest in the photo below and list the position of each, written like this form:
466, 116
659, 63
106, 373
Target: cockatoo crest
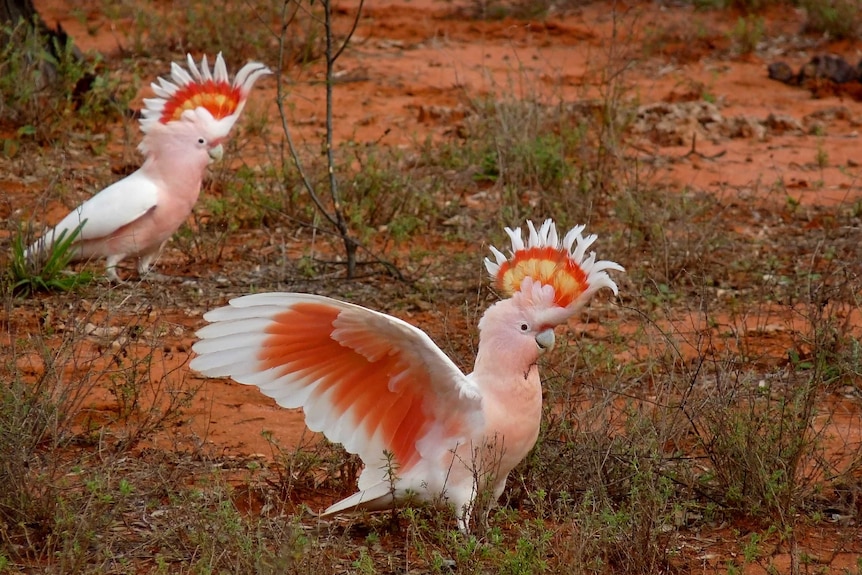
554, 277
199, 95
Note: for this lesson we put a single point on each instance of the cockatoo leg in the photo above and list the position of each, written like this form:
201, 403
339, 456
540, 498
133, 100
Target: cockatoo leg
463, 505
147, 259
485, 513
463, 517
111, 268
146, 262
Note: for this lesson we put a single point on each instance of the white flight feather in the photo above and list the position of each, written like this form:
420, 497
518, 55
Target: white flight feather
452, 395
116, 206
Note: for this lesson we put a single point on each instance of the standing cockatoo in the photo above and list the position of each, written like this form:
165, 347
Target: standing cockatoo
184, 127
384, 390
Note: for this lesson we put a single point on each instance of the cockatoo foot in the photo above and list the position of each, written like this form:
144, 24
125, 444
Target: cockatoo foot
148, 276
112, 277
160, 278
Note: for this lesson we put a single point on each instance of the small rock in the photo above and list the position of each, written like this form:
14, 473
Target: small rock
782, 72
460, 221
781, 123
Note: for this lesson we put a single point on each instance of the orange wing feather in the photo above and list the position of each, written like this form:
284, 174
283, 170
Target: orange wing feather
300, 342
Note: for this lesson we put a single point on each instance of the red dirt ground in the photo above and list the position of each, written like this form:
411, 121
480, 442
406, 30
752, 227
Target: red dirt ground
410, 72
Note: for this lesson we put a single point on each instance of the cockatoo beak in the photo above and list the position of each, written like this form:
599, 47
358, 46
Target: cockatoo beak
216, 153
545, 340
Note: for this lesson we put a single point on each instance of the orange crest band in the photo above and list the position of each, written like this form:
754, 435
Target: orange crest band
199, 88
219, 98
545, 259
546, 265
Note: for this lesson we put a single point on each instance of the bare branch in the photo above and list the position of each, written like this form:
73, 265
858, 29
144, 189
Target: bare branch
352, 30
280, 97
349, 242
335, 217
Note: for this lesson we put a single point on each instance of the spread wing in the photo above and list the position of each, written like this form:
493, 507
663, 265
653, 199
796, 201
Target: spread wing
116, 206
366, 380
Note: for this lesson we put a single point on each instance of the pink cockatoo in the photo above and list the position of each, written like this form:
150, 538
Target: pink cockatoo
383, 389
184, 127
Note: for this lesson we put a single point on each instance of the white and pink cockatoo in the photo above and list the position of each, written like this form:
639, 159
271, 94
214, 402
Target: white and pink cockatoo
385, 391
184, 127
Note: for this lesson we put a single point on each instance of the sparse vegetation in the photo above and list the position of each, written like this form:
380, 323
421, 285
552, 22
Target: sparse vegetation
716, 400
31, 273
209, 28
839, 19
747, 33
520, 9
42, 92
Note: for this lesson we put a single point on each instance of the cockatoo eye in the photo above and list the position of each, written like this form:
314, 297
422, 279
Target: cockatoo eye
201, 141
525, 328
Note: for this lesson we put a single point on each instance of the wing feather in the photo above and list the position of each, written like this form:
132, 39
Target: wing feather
367, 380
113, 208
230, 341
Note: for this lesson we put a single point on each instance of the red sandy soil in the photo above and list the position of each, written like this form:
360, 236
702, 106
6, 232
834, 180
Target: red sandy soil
414, 64
410, 73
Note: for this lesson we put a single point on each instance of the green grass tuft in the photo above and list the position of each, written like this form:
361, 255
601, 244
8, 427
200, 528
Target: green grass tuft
48, 272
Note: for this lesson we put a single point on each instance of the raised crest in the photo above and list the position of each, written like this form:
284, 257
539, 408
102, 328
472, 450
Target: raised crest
561, 264
200, 87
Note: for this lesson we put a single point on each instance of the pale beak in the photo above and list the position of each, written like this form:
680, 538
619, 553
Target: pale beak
545, 340
216, 153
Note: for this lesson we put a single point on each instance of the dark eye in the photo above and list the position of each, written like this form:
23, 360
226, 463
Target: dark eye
525, 327
201, 141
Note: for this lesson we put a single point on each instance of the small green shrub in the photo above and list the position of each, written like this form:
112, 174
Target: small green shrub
46, 89
45, 272
839, 18
380, 195
238, 29
500, 9
747, 33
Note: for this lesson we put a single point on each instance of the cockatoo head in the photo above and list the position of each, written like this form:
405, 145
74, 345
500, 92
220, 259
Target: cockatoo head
550, 279
184, 141
200, 98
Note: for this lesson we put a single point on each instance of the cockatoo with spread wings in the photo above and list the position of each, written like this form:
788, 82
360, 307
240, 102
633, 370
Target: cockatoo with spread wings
383, 389
184, 127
